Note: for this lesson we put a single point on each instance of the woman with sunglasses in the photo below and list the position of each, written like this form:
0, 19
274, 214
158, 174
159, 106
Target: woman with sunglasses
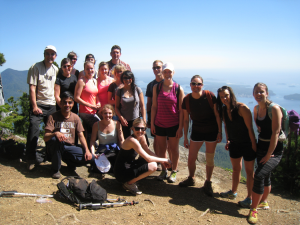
240, 142
127, 169
129, 103
65, 81
103, 83
73, 57
201, 106
117, 70
86, 94
166, 119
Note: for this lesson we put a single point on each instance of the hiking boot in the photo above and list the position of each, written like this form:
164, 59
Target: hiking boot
159, 168
56, 175
208, 189
263, 205
163, 175
229, 194
246, 203
31, 164
172, 177
132, 188
252, 217
187, 182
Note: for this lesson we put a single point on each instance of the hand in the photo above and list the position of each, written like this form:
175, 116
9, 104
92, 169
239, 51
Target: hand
37, 111
186, 143
124, 121
254, 146
95, 155
60, 136
98, 105
148, 126
266, 158
219, 137
179, 133
88, 156
167, 164
258, 129
227, 145
153, 129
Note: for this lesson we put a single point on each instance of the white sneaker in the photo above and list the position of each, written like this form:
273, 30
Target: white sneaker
132, 188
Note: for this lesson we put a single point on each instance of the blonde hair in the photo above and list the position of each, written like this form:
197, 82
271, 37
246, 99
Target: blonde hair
103, 64
107, 106
137, 121
118, 67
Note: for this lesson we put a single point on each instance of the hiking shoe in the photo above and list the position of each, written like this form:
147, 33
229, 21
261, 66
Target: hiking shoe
56, 175
246, 203
263, 205
163, 175
252, 217
187, 182
172, 177
208, 188
159, 168
132, 188
229, 194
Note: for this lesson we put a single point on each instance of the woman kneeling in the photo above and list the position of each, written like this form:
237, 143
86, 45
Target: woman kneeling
127, 169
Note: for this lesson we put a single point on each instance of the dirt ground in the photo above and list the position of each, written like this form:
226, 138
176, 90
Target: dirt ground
160, 203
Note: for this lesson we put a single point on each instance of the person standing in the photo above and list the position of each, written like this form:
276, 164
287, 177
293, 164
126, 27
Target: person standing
73, 57
41, 79
115, 54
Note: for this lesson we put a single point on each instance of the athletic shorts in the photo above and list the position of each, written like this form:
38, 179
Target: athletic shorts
169, 131
200, 137
238, 150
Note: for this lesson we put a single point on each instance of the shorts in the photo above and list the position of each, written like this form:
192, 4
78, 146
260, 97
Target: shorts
200, 137
169, 131
238, 150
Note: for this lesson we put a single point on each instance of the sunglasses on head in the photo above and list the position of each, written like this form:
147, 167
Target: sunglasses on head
66, 66
156, 67
139, 128
196, 84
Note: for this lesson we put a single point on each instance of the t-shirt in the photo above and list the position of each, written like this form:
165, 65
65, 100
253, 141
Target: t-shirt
129, 108
204, 119
149, 90
66, 83
67, 126
113, 88
44, 78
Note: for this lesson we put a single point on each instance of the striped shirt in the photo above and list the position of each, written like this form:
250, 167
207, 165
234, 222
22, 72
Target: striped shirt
167, 112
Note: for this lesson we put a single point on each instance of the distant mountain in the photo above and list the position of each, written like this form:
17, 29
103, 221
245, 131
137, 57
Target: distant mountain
292, 97
14, 83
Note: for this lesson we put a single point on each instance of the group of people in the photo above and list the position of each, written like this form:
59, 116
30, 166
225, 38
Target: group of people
111, 108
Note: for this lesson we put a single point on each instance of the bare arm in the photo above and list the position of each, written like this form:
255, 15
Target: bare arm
186, 123
153, 109
245, 112
32, 98
49, 134
179, 131
218, 119
110, 99
117, 109
120, 134
142, 107
94, 138
255, 116
57, 94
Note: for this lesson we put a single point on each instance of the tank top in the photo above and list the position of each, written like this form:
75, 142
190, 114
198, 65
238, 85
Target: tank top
265, 125
88, 94
103, 93
167, 113
109, 138
236, 129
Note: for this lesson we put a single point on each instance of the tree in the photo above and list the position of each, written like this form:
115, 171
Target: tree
2, 59
21, 126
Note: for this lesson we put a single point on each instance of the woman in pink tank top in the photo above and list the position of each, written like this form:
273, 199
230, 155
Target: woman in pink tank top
103, 83
166, 119
86, 95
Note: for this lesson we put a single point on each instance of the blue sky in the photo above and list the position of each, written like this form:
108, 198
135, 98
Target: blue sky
206, 35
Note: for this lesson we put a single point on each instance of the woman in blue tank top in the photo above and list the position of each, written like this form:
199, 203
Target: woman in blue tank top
240, 138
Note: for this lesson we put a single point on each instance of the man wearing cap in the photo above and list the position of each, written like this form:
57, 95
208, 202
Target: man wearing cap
41, 79
115, 54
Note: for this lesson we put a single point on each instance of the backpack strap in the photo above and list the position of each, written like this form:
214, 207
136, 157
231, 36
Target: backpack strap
209, 98
177, 92
158, 88
270, 110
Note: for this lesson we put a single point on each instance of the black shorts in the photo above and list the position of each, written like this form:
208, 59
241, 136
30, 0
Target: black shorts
169, 131
199, 137
238, 150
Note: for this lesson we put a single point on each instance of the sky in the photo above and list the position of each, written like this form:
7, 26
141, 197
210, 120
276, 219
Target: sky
200, 35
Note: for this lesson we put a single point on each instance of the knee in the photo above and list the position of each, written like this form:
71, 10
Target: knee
210, 159
152, 167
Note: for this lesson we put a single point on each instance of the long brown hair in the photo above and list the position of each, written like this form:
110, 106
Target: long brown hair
233, 103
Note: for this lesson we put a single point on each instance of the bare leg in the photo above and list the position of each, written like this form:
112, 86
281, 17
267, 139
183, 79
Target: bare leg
193, 153
236, 174
249, 166
255, 200
162, 150
173, 145
151, 169
169, 150
267, 190
210, 148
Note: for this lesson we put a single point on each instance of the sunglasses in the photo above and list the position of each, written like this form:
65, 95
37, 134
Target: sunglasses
127, 78
139, 128
156, 67
196, 84
74, 59
66, 67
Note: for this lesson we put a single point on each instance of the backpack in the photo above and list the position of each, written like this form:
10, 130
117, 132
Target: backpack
294, 120
177, 91
10, 149
208, 96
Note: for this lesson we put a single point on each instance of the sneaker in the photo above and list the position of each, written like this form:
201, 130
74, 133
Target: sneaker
163, 175
229, 194
263, 205
208, 188
132, 188
56, 175
246, 203
252, 217
31, 165
187, 182
172, 177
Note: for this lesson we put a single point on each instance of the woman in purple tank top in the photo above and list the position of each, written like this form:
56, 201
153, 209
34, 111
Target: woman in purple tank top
166, 119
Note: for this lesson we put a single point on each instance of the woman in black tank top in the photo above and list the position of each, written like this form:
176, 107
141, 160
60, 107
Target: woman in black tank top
240, 138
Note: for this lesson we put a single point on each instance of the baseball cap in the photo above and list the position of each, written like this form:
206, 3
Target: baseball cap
168, 66
51, 47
